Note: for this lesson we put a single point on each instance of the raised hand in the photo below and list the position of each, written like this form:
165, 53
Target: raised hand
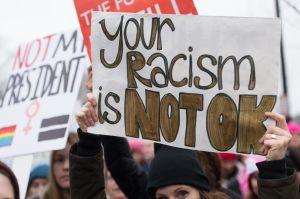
87, 115
276, 139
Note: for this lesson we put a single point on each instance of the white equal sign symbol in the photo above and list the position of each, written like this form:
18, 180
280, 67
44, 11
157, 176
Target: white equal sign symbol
53, 128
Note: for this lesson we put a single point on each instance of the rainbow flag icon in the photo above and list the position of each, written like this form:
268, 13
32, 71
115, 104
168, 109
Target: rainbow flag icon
7, 135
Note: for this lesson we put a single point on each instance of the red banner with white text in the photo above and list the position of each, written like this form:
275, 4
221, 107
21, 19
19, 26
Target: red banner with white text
84, 10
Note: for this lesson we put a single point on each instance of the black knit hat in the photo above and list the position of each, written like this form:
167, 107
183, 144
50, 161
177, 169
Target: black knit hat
5, 170
173, 166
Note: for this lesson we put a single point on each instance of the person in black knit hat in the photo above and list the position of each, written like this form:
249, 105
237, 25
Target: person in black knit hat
177, 173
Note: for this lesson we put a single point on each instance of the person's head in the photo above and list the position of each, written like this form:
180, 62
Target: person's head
9, 188
148, 151
59, 182
294, 128
176, 173
38, 180
228, 164
111, 187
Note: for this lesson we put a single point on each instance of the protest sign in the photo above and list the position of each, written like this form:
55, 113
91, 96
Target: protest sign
85, 8
186, 81
40, 93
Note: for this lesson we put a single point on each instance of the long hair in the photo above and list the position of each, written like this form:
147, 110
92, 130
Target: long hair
54, 191
211, 164
213, 195
7, 172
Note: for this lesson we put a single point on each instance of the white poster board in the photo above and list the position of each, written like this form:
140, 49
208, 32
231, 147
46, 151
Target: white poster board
40, 93
187, 81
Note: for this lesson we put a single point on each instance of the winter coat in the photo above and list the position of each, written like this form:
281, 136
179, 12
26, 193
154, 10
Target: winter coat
86, 176
275, 181
86, 167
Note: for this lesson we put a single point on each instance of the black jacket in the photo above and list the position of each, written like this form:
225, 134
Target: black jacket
131, 179
276, 181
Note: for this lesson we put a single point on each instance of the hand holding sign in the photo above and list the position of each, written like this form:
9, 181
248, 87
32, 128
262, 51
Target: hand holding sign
87, 115
186, 81
276, 139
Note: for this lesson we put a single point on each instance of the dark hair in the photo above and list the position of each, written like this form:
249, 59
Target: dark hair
6, 171
213, 195
211, 165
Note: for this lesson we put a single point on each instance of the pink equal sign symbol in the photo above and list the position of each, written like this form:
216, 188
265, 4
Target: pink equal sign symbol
31, 111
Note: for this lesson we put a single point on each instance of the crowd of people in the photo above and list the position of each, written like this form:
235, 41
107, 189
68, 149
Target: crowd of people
97, 167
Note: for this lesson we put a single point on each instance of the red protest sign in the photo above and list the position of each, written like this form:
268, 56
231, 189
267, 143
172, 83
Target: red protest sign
84, 10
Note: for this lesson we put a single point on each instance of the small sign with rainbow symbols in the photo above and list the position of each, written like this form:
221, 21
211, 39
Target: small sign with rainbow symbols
7, 135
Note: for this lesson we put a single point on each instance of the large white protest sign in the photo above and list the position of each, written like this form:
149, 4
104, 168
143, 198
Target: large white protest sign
186, 81
38, 95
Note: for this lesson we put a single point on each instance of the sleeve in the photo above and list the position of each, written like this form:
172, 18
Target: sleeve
131, 179
86, 172
276, 181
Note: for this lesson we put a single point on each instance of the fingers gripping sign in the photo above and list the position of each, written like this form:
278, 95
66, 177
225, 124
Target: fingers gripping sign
276, 139
87, 116
92, 99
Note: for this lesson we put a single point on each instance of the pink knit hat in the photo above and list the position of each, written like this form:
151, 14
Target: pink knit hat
294, 128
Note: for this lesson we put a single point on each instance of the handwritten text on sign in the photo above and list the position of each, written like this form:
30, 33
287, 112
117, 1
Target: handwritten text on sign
186, 81
38, 93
